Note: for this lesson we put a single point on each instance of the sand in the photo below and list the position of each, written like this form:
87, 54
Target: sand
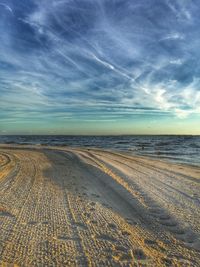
79, 207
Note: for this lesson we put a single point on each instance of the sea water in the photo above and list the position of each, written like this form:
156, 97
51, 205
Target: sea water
180, 149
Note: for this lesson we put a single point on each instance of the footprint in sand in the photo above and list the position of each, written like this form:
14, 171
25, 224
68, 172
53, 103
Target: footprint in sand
112, 226
106, 205
123, 256
81, 225
95, 195
92, 209
45, 222
93, 221
87, 215
178, 231
139, 254
32, 222
131, 222
125, 233
150, 242
169, 223
167, 261
67, 238
196, 245
190, 237
120, 248
164, 217
106, 237
156, 211
126, 257
5, 213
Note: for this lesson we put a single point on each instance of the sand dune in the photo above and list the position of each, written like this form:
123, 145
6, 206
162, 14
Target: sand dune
78, 207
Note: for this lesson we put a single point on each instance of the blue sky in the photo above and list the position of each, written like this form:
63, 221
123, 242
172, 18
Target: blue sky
99, 66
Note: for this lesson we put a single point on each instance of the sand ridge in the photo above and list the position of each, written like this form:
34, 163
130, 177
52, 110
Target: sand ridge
80, 207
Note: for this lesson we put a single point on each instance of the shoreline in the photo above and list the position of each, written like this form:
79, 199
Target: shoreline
178, 149
117, 151
94, 207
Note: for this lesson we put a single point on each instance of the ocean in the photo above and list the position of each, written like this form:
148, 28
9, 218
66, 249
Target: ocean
180, 149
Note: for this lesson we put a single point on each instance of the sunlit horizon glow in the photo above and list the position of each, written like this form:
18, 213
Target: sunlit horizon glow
99, 67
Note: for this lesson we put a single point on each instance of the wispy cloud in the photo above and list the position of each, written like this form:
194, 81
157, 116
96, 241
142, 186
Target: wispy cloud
117, 58
7, 7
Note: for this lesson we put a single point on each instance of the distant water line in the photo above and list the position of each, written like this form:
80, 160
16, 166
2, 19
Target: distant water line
180, 149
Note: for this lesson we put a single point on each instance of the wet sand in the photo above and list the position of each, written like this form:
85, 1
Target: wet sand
79, 207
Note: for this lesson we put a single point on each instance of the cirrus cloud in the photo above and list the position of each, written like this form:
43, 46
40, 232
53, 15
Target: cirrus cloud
112, 57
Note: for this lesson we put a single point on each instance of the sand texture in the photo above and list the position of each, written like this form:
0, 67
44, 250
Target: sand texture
79, 207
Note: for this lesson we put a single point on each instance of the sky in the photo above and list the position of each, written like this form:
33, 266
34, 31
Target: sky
99, 67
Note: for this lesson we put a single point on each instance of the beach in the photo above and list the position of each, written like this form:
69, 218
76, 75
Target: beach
62, 206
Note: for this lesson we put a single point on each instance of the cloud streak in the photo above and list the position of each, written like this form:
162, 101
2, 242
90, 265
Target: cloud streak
116, 58
7, 7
